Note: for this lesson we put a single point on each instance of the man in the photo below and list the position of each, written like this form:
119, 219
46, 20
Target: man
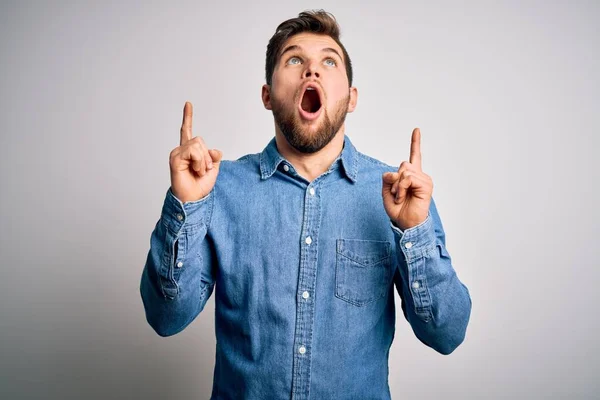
304, 242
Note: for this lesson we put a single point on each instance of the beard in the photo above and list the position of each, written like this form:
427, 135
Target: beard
298, 136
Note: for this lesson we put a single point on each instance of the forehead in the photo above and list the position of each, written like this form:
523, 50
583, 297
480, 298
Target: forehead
312, 42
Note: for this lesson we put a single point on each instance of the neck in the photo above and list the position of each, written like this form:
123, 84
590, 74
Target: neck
310, 166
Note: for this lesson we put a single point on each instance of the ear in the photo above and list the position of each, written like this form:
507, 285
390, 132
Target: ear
266, 96
353, 99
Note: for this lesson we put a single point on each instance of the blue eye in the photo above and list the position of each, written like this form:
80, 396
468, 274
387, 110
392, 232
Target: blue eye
293, 61
330, 62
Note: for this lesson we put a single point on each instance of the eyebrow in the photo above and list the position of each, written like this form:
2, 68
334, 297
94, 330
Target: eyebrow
296, 47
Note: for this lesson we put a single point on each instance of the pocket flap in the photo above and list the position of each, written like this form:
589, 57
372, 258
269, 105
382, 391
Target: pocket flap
365, 252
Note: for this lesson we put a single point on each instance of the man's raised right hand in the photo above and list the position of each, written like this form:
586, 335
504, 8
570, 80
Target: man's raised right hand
194, 168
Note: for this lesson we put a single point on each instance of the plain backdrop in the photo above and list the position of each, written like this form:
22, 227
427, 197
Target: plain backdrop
91, 95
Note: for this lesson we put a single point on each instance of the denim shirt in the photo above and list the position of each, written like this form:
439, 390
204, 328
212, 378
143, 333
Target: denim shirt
303, 275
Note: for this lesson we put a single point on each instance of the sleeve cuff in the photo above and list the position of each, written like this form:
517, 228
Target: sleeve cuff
417, 241
191, 213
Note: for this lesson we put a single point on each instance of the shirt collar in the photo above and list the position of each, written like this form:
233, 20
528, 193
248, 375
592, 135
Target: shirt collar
270, 158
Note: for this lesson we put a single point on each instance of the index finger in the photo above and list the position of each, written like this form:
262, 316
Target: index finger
415, 148
186, 124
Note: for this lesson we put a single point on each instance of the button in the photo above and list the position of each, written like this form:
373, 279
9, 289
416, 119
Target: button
179, 264
408, 245
308, 240
311, 191
305, 295
302, 350
179, 217
286, 168
416, 285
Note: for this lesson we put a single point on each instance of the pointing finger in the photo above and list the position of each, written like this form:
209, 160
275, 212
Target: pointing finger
186, 125
415, 148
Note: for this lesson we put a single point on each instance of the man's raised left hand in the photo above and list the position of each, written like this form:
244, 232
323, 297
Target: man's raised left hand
407, 193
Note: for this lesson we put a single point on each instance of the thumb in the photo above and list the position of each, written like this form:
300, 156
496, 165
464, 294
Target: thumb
216, 155
389, 180
402, 190
390, 177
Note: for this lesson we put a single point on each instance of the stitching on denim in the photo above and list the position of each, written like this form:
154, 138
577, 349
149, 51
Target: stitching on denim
340, 248
413, 274
181, 255
211, 207
379, 261
424, 293
171, 267
163, 262
339, 287
356, 302
314, 279
427, 294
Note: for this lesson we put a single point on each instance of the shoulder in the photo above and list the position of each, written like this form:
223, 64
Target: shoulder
246, 161
370, 164
241, 169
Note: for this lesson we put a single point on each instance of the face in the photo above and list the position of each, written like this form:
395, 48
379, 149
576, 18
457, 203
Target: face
309, 93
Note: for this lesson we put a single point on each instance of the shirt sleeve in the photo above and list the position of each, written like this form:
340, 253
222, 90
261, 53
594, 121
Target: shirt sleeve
434, 301
178, 276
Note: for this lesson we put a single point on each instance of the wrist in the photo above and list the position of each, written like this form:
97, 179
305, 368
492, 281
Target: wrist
408, 224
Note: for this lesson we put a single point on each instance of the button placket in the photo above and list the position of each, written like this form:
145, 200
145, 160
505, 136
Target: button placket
306, 288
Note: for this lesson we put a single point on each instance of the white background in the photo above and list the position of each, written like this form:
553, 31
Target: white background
91, 99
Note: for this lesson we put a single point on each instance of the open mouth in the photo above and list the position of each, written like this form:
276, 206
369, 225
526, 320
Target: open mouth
311, 101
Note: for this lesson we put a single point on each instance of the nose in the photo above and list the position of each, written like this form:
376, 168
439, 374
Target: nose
311, 70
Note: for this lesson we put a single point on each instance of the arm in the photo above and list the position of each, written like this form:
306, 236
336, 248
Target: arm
434, 301
178, 277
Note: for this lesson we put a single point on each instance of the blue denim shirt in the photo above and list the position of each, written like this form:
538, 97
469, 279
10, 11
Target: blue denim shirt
304, 276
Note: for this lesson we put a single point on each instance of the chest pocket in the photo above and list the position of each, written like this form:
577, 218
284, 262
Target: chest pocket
362, 270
